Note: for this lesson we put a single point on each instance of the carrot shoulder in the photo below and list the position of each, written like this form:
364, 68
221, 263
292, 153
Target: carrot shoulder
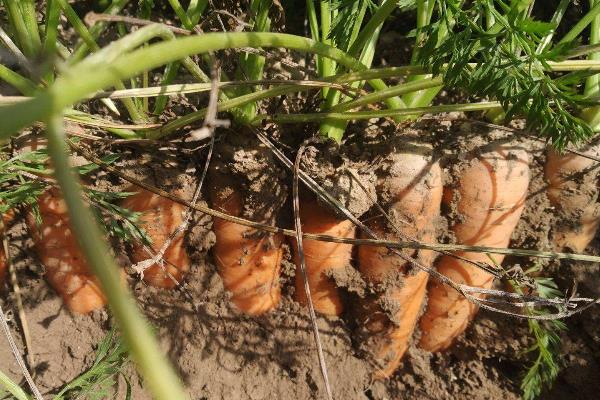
390, 317
573, 189
322, 259
248, 262
491, 195
160, 218
66, 268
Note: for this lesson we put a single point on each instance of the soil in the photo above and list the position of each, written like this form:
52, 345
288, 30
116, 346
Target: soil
221, 354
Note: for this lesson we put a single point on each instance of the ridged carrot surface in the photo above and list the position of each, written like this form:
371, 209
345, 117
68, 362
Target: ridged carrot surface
322, 259
491, 194
248, 262
66, 268
415, 187
160, 218
573, 189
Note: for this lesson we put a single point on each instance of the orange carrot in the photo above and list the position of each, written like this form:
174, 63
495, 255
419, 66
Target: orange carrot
491, 195
322, 258
66, 268
248, 262
160, 217
6, 219
572, 188
415, 193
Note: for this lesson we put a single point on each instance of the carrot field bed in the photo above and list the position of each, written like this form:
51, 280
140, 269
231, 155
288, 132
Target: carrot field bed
261, 199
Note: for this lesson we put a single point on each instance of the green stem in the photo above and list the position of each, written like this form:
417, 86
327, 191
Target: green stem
592, 114
181, 14
13, 388
51, 35
19, 26
374, 23
101, 70
362, 115
30, 20
195, 10
556, 18
384, 94
581, 24
22, 84
82, 48
136, 114
328, 66
159, 377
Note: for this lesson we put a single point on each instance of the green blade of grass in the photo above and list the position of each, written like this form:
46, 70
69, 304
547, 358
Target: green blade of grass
158, 375
13, 388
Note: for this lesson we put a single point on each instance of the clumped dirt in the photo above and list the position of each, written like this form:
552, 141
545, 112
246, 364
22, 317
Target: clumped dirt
222, 354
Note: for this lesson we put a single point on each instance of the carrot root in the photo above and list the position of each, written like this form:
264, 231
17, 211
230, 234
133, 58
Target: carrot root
390, 318
322, 259
491, 196
160, 217
573, 189
66, 268
248, 263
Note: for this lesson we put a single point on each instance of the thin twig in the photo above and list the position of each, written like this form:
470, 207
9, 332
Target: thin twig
18, 357
19, 300
91, 18
497, 272
299, 244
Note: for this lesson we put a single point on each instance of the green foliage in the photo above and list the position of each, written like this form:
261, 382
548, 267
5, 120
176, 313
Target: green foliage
15, 188
118, 221
500, 42
97, 382
545, 349
347, 21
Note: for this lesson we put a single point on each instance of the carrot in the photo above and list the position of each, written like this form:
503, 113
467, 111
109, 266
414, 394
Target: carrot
322, 258
414, 190
66, 268
573, 189
248, 262
160, 217
490, 196
6, 219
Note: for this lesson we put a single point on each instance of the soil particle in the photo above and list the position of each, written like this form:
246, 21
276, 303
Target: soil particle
337, 174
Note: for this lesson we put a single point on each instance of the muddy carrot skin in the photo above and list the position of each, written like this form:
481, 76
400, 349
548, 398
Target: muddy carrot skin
248, 262
322, 259
66, 268
573, 190
6, 219
415, 190
490, 196
160, 217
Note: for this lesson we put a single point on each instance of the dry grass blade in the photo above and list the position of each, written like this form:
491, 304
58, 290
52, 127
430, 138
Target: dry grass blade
18, 358
299, 244
91, 18
19, 300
